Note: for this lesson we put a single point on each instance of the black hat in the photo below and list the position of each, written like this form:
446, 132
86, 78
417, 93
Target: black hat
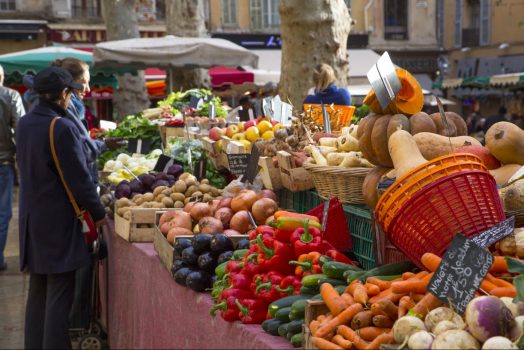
54, 79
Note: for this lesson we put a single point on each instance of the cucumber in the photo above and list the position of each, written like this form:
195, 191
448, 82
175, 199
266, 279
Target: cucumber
350, 275
297, 340
289, 335
284, 302
282, 329
296, 315
309, 291
283, 314
391, 269
335, 269
272, 327
388, 278
332, 281
295, 326
312, 280
299, 306
265, 324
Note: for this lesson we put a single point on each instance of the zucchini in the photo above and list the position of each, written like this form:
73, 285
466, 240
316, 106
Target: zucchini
265, 324
391, 269
350, 275
332, 281
309, 291
299, 306
283, 314
312, 280
335, 269
283, 302
297, 340
295, 326
289, 335
282, 329
296, 315
272, 328
388, 278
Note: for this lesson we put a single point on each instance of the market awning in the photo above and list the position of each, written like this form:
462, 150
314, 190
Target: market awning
482, 82
222, 75
507, 79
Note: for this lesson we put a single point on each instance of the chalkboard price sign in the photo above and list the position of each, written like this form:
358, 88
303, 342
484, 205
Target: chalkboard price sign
238, 163
200, 169
460, 273
495, 233
252, 165
140, 146
243, 115
163, 163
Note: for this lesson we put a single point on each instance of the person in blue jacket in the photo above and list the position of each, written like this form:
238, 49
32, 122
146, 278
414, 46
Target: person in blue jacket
52, 244
326, 91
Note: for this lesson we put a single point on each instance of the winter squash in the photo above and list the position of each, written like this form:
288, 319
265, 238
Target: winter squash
460, 123
504, 173
409, 100
506, 142
450, 130
422, 122
369, 186
433, 145
404, 152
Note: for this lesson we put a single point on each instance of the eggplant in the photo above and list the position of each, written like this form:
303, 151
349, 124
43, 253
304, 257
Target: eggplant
220, 243
181, 244
181, 275
225, 256
177, 265
201, 243
199, 281
189, 256
207, 262
243, 244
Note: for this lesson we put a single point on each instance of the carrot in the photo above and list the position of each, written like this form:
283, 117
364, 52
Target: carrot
382, 321
405, 303
326, 320
370, 333
386, 338
504, 292
360, 294
407, 275
342, 342
412, 285
426, 304
383, 285
376, 309
325, 344
389, 308
313, 326
341, 319
499, 282
387, 294
499, 265
420, 275
352, 336
333, 300
351, 288
430, 261
372, 289
362, 319
487, 286
347, 298
321, 318
416, 296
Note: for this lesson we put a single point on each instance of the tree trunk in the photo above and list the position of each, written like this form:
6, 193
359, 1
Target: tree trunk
312, 32
186, 18
121, 23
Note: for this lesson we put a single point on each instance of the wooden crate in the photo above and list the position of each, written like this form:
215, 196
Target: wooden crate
293, 178
270, 174
140, 227
164, 249
314, 308
215, 153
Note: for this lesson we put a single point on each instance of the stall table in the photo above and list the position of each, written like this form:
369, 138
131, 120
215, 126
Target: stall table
145, 308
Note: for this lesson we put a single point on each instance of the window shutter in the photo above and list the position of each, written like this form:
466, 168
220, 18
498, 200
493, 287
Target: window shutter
458, 22
255, 7
440, 23
485, 22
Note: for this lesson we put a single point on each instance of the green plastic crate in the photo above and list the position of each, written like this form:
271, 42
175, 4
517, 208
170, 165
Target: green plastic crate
361, 229
285, 199
304, 201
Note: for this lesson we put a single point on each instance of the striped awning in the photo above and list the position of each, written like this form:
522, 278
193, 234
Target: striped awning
507, 79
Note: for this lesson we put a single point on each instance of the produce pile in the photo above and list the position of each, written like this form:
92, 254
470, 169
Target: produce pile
180, 101
138, 164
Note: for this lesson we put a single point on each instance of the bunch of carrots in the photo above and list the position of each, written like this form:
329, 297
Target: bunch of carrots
363, 316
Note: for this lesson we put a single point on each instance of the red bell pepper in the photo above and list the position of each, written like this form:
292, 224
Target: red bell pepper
252, 310
307, 239
265, 230
251, 267
338, 256
266, 287
236, 293
274, 256
307, 264
233, 266
240, 281
283, 236
257, 279
289, 285
229, 310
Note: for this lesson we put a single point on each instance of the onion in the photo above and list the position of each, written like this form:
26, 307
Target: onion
181, 219
214, 205
243, 201
224, 215
210, 225
496, 343
240, 222
487, 317
177, 231
263, 208
166, 217
406, 326
267, 194
164, 228
189, 206
230, 233
420, 340
200, 210
225, 202
455, 339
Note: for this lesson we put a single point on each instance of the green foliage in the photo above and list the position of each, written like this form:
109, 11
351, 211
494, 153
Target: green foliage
360, 113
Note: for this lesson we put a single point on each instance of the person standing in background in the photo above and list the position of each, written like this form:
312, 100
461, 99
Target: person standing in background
326, 90
11, 109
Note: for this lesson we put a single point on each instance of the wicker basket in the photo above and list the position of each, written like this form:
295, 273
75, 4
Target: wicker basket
344, 183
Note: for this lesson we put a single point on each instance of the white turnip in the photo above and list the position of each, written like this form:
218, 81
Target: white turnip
406, 326
455, 339
518, 328
497, 343
487, 317
513, 307
420, 340
443, 326
440, 314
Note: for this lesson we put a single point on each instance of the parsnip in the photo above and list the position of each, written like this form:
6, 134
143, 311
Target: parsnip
325, 150
352, 160
328, 141
365, 163
334, 159
318, 157
347, 143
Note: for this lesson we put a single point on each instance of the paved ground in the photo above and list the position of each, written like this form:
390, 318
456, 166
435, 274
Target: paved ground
13, 291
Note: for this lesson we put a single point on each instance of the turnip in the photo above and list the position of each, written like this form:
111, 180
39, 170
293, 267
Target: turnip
518, 328
440, 314
455, 339
420, 340
406, 326
443, 326
497, 343
487, 317
513, 307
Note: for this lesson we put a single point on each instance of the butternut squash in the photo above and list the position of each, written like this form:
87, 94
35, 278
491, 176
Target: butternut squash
450, 130
379, 139
513, 196
433, 145
369, 186
398, 121
506, 142
504, 173
460, 123
422, 122
404, 152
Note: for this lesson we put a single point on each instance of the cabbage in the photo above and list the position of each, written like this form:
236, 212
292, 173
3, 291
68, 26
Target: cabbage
109, 166
124, 158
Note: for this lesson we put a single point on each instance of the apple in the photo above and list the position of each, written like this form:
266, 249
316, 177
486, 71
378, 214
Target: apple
231, 130
250, 123
215, 133
274, 122
239, 136
241, 126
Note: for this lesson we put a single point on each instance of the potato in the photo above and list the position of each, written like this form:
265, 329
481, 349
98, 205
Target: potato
147, 204
180, 186
137, 198
149, 197
121, 211
159, 197
167, 192
140, 200
167, 202
177, 197
207, 198
158, 190
127, 215
123, 202
513, 196
184, 176
215, 192
191, 181
158, 205
187, 200
179, 204
204, 182
197, 193
204, 188
191, 190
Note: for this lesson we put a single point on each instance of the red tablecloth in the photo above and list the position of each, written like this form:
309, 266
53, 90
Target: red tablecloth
147, 309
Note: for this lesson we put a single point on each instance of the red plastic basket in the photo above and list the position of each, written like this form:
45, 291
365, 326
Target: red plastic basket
466, 202
337, 230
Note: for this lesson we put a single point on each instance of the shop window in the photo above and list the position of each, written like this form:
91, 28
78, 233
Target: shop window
160, 10
485, 22
7, 5
395, 19
264, 14
229, 13
457, 38
86, 8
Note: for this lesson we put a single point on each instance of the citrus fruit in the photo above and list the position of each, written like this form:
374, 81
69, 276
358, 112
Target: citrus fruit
264, 126
268, 135
252, 133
